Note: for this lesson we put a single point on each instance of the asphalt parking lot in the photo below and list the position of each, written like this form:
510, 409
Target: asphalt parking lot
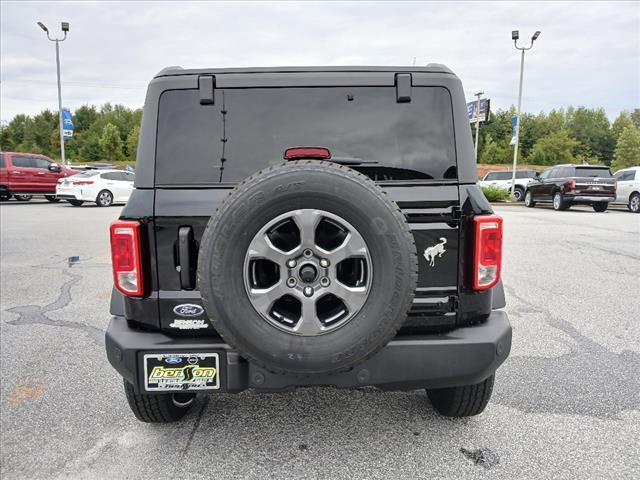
565, 405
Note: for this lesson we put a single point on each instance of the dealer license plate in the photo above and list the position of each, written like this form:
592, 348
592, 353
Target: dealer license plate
181, 371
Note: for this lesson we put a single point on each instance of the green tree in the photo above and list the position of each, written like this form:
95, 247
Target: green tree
84, 117
7, 143
111, 143
591, 128
496, 152
132, 143
532, 129
627, 152
17, 126
91, 150
620, 123
557, 147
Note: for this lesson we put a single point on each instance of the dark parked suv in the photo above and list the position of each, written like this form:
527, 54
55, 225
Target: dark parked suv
306, 226
566, 185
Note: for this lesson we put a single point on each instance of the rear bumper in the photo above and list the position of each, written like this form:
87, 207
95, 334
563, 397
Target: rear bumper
69, 193
590, 198
461, 357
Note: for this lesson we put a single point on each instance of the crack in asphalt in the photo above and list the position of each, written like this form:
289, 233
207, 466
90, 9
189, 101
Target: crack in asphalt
35, 314
591, 380
610, 251
196, 425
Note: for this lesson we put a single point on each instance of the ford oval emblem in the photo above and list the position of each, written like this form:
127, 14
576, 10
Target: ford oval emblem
188, 310
173, 359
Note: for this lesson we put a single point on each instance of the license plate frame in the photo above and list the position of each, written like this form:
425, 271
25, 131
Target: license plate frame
182, 371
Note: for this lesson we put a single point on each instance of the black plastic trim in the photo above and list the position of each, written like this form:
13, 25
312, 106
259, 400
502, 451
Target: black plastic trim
460, 357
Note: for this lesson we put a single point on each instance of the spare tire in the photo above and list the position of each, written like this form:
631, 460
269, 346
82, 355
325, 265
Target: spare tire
307, 267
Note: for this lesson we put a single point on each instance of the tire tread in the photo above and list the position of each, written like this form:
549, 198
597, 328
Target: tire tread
462, 401
153, 408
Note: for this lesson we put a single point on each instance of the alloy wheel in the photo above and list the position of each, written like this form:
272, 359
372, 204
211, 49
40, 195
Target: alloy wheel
308, 272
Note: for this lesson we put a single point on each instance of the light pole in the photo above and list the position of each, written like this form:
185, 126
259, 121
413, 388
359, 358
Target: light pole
65, 29
478, 122
514, 36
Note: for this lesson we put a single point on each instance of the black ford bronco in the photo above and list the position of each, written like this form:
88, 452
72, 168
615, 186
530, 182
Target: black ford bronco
306, 226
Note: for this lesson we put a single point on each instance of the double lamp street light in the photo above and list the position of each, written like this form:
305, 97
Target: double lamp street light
65, 29
515, 35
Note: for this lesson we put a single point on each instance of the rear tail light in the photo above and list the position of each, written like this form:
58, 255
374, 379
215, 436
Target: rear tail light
321, 153
571, 184
83, 182
487, 261
126, 257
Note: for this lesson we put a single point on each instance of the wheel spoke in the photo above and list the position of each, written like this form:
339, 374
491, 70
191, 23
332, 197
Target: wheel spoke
353, 246
309, 324
307, 221
261, 247
263, 298
352, 297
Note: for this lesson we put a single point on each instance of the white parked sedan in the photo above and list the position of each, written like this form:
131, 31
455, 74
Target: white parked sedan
628, 188
104, 187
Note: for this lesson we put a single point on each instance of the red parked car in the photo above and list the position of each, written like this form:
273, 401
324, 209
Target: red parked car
23, 175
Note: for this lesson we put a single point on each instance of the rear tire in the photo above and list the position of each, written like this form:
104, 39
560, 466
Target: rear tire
4, 197
23, 198
528, 199
52, 198
518, 193
463, 401
160, 408
558, 202
634, 203
104, 198
600, 206
76, 203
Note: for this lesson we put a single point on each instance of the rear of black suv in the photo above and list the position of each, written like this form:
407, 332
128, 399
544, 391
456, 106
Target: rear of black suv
312, 226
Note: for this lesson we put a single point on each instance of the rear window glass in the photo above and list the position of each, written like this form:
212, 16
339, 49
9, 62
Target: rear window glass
249, 129
87, 173
592, 172
503, 176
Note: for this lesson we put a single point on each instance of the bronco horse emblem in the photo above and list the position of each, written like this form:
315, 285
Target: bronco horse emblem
437, 250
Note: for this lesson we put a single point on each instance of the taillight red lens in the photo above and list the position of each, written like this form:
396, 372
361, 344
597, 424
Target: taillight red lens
487, 262
126, 257
320, 153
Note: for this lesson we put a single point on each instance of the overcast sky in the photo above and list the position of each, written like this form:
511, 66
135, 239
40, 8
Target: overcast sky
588, 53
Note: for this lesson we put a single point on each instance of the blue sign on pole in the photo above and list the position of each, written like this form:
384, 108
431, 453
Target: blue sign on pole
514, 127
67, 124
